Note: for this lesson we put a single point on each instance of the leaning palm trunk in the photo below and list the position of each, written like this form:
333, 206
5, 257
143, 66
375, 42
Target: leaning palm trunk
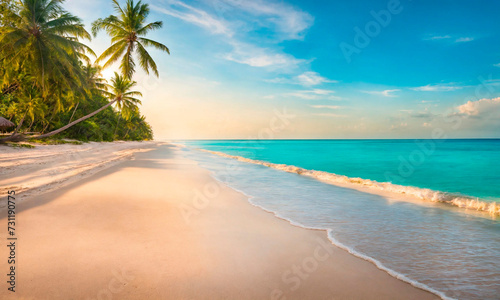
31, 125
74, 111
18, 137
20, 123
75, 122
48, 123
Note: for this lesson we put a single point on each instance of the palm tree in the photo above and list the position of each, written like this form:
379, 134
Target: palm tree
136, 123
36, 110
120, 93
127, 31
93, 82
93, 79
6, 7
28, 106
120, 89
42, 37
126, 104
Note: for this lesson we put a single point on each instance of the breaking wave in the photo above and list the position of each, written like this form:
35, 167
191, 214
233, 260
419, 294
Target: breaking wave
491, 208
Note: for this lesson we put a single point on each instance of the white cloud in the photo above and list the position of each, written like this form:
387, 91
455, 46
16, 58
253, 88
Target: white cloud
399, 126
304, 95
494, 82
476, 108
385, 93
312, 78
439, 37
260, 57
290, 22
425, 114
234, 19
195, 16
307, 79
464, 39
316, 94
447, 37
497, 65
327, 106
330, 115
263, 60
322, 92
437, 88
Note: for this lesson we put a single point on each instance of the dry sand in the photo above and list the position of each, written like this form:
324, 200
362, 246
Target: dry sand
140, 230
49, 167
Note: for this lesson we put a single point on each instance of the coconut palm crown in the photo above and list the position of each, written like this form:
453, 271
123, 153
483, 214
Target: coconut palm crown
120, 89
127, 31
43, 38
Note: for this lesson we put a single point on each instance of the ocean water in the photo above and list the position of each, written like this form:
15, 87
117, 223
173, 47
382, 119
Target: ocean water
441, 242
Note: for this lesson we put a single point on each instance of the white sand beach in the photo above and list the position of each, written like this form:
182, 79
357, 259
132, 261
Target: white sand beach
123, 221
49, 167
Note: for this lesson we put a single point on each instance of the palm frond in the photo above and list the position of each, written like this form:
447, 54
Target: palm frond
145, 60
127, 66
159, 46
150, 27
114, 53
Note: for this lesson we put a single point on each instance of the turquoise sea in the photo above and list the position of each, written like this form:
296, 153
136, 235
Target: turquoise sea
461, 167
445, 239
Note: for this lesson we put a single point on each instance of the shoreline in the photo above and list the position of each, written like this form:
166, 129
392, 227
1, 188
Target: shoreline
109, 221
353, 252
333, 241
387, 190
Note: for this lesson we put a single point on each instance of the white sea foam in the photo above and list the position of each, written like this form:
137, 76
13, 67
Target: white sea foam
336, 243
491, 208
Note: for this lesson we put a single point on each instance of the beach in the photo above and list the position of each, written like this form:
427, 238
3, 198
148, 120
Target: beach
48, 167
153, 224
249, 150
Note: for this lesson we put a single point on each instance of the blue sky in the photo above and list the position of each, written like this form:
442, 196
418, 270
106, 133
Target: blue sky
414, 68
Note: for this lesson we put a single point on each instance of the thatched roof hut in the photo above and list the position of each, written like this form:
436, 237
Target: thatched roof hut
4, 123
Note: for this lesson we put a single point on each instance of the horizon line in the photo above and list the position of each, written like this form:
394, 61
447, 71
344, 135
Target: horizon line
324, 139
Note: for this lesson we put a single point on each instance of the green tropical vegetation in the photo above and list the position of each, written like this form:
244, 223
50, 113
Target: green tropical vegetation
50, 85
